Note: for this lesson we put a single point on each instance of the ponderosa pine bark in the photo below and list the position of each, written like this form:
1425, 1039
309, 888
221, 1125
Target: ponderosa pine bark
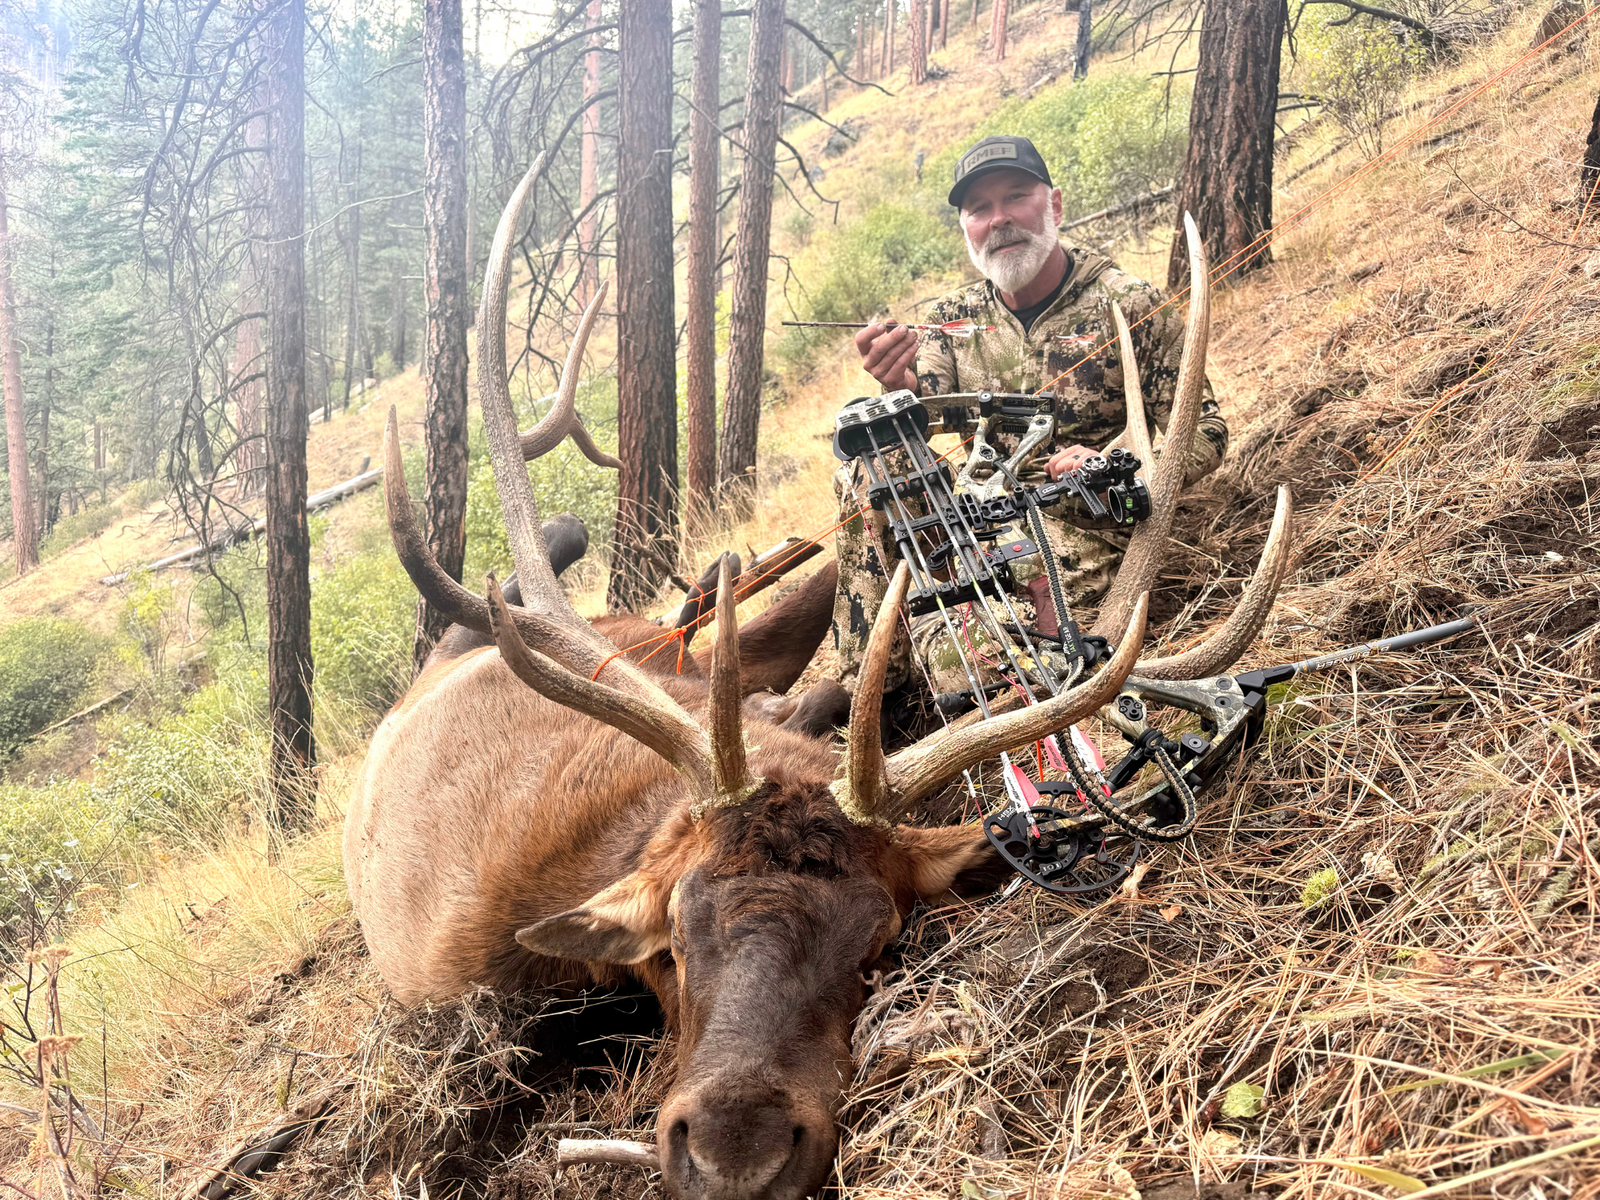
999, 18
24, 531
447, 302
647, 383
917, 51
747, 325
292, 754
700, 332
1227, 170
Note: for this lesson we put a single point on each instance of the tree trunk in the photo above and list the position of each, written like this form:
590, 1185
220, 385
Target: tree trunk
700, 333
42, 472
397, 318
289, 671
352, 325
1589, 176
894, 13
447, 299
861, 65
1227, 170
747, 327
250, 461
998, 18
1080, 59
647, 384
589, 167
944, 24
917, 51
24, 533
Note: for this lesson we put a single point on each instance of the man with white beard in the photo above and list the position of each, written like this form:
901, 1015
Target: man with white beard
1045, 307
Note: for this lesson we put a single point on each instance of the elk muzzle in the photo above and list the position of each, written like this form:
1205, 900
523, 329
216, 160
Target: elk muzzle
739, 1136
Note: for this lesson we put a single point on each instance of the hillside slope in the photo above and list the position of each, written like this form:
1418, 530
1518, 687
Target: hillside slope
1374, 963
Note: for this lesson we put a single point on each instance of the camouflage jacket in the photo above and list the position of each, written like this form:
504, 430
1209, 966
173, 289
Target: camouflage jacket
1090, 408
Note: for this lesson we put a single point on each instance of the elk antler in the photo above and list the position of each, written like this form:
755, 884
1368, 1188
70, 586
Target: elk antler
875, 786
1136, 437
1223, 648
863, 793
574, 665
727, 732
1148, 545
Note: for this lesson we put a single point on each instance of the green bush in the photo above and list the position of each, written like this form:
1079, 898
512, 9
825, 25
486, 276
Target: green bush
1104, 139
191, 773
362, 619
45, 666
53, 840
859, 268
1358, 70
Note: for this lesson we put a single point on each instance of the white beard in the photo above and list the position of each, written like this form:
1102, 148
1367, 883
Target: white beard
1014, 270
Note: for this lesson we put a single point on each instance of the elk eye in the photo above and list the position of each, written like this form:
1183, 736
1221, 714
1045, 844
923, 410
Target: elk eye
672, 932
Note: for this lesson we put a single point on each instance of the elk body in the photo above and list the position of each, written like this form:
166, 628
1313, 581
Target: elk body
547, 813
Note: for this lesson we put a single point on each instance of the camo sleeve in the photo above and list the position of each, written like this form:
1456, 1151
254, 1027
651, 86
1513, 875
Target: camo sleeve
1158, 343
936, 357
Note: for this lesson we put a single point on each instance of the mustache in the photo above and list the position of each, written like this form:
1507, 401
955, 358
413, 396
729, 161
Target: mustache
1008, 235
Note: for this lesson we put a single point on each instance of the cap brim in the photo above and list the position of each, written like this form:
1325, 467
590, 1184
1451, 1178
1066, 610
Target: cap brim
960, 189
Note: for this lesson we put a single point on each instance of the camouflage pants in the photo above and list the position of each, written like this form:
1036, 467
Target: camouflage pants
1087, 565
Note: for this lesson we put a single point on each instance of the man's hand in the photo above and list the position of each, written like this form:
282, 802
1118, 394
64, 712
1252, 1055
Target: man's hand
888, 354
1066, 460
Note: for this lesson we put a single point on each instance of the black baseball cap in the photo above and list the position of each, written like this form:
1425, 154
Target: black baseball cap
993, 153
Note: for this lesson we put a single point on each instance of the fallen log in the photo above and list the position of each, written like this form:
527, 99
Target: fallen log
242, 533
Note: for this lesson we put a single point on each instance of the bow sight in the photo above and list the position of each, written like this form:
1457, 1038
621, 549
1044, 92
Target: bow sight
971, 540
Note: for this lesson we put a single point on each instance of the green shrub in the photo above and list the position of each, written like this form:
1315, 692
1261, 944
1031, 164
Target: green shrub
1359, 70
362, 619
53, 840
45, 666
1104, 138
192, 773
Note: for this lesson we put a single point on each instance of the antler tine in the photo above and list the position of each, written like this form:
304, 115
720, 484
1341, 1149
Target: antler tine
1223, 648
445, 594
727, 730
673, 735
540, 591
562, 419
918, 770
1136, 437
1148, 545
863, 793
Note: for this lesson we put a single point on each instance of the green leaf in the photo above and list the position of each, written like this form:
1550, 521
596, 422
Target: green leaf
1532, 1059
1383, 1175
971, 1189
1243, 1100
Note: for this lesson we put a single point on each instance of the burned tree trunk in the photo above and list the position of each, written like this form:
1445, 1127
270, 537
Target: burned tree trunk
700, 333
747, 327
1227, 171
647, 382
24, 533
289, 671
448, 301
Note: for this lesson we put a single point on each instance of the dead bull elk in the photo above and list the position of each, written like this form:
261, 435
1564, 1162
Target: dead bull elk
552, 815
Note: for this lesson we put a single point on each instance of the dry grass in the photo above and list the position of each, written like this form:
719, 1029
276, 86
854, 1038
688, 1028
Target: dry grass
1386, 924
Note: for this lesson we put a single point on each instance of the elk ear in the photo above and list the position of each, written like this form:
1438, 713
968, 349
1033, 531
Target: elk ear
625, 924
951, 860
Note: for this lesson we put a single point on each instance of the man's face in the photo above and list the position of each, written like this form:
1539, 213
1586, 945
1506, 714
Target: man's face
1010, 221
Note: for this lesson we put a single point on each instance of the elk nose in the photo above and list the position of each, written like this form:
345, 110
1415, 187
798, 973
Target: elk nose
733, 1147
